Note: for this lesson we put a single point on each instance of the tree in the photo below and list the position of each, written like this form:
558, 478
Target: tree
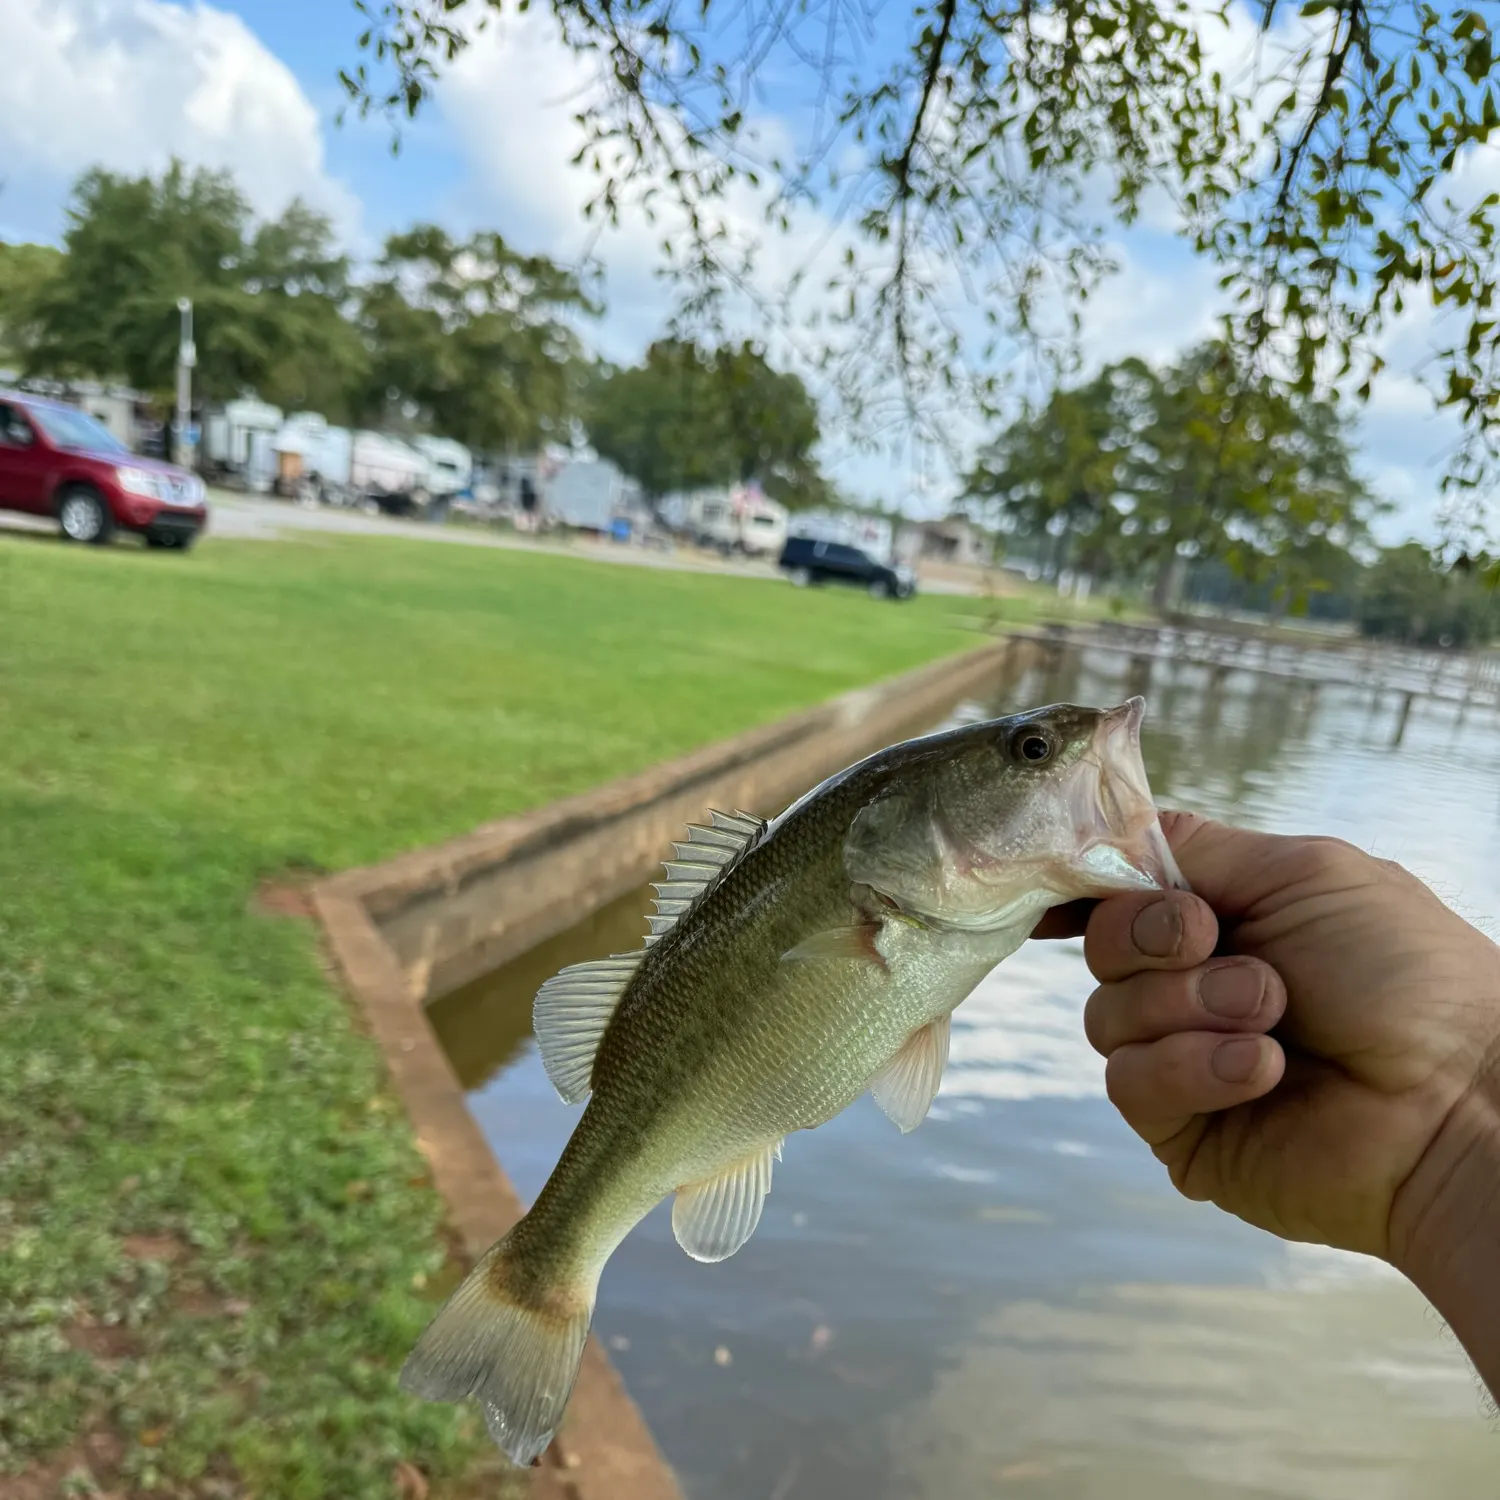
688, 417
1235, 466
303, 300
1065, 471
1143, 470
988, 149
1410, 598
480, 338
266, 299
26, 273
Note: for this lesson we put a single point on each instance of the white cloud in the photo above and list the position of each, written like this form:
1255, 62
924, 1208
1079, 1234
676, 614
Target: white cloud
125, 84
511, 99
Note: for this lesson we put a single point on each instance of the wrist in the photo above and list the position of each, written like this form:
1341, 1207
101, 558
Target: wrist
1445, 1221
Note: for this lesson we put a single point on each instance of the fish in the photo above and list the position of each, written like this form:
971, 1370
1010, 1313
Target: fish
791, 966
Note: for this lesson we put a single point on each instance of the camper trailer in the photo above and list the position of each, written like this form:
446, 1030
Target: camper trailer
239, 442
317, 462
390, 473
313, 460
591, 494
450, 466
740, 519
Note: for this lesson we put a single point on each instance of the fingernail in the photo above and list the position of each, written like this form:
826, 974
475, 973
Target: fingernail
1157, 929
1233, 991
1235, 1060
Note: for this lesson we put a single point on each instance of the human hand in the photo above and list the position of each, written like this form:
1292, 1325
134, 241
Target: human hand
1362, 1121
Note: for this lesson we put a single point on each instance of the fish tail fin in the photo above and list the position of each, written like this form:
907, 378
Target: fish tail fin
513, 1341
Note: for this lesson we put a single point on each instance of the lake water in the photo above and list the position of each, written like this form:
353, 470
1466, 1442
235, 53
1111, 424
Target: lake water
1012, 1301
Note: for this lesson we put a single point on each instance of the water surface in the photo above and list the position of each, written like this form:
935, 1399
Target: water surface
1012, 1300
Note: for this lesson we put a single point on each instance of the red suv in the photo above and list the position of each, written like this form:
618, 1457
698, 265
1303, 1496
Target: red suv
58, 461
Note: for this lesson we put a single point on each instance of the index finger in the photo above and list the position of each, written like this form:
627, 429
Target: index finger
1152, 930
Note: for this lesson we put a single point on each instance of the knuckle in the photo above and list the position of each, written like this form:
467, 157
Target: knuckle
1095, 1020
1118, 1083
1322, 859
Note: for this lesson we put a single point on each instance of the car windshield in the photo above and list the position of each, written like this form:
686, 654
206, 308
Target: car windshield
75, 429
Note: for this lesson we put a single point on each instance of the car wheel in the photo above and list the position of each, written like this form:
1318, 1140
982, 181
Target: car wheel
879, 589
800, 577
84, 517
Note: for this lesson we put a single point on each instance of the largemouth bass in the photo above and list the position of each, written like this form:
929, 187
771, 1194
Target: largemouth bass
791, 966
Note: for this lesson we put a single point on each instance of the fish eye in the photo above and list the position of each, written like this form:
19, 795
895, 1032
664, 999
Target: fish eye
1033, 744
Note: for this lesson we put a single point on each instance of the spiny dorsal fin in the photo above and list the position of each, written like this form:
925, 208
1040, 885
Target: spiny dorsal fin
569, 1016
700, 864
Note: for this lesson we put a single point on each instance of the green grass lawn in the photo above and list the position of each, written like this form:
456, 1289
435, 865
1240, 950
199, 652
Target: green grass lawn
217, 1239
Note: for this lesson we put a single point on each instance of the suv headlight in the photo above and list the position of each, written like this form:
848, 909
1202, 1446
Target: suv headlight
138, 481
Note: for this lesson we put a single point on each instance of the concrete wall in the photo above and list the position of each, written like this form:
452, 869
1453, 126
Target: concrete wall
454, 912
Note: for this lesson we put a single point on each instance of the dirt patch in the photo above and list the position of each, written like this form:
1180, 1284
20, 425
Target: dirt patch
162, 1247
99, 1455
198, 1302
106, 1343
285, 896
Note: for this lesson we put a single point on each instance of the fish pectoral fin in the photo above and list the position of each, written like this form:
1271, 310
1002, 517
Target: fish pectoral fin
569, 1016
857, 941
714, 1217
907, 1085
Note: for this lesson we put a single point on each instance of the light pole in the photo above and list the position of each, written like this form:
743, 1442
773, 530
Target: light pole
187, 357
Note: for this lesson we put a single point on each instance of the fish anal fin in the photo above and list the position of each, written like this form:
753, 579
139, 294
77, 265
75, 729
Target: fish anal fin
569, 1016
907, 1085
713, 1218
856, 941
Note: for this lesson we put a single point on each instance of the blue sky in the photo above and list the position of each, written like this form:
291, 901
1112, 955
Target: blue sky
252, 85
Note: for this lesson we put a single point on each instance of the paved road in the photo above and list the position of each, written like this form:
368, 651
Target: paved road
249, 516
236, 515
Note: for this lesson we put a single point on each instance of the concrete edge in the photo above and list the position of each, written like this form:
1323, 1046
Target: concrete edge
605, 1450
446, 864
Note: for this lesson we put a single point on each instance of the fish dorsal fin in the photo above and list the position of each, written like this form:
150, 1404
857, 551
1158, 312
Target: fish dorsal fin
569, 1016
699, 865
574, 1006
714, 1217
907, 1085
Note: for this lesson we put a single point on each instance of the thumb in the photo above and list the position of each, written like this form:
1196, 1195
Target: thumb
1233, 869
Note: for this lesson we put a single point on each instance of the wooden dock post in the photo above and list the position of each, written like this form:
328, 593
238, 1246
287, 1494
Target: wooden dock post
1402, 717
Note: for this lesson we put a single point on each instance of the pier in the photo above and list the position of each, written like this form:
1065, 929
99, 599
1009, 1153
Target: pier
1466, 679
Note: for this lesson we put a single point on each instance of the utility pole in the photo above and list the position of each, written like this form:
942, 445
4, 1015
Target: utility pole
187, 357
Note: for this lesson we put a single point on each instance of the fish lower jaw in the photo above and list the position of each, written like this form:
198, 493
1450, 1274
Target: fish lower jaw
1111, 868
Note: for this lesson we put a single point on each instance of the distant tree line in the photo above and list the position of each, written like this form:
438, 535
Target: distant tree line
1201, 482
470, 338
1409, 597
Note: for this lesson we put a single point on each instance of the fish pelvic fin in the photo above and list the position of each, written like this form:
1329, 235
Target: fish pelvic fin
907, 1085
512, 1344
712, 1218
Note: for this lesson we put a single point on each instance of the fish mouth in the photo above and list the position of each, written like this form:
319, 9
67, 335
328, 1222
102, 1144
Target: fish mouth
1121, 845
